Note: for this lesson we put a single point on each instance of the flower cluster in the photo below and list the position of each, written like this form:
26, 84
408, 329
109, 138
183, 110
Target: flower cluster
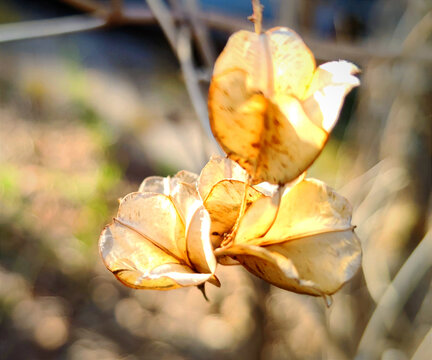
271, 109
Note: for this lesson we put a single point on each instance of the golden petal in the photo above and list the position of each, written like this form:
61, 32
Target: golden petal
276, 61
199, 247
181, 189
217, 169
272, 139
223, 204
258, 219
141, 264
315, 265
155, 217
326, 93
293, 63
308, 208
187, 177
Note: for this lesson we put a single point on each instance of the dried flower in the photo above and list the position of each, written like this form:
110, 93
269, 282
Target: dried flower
270, 108
300, 239
160, 237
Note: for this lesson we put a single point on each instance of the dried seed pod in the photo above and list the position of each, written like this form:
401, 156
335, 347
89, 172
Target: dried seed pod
270, 108
300, 239
160, 238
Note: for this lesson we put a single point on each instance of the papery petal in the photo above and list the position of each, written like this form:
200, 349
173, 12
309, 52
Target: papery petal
258, 219
199, 247
324, 98
223, 204
187, 177
272, 139
314, 265
270, 109
139, 263
308, 208
293, 63
181, 189
217, 169
274, 61
156, 184
155, 217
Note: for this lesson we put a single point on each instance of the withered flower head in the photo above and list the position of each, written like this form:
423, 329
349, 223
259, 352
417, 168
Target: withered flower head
160, 236
271, 109
299, 239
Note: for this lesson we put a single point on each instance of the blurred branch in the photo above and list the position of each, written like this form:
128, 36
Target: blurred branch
256, 18
425, 348
42, 28
323, 49
201, 33
394, 298
184, 53
88, 6
180, 41
166, 21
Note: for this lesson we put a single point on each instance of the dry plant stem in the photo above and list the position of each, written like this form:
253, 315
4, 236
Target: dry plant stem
42, 28
394, 298
116, 9
165, 20
201, 33
181, 44
89, 6
184, 53
425, 348
257, 15
323, 49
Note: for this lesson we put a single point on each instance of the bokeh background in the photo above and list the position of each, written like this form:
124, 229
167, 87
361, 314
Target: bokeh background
99, 102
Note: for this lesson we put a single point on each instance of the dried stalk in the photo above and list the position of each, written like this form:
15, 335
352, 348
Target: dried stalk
43, 28
256, 18
395, 297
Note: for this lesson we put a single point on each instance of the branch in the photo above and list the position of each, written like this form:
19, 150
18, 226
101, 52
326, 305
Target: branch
180, 42
395, 297
256, 18
42, 28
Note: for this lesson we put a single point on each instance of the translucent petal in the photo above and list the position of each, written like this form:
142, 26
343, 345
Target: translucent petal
293, 62
258, 219
223, 204
324, 98
181, 189
314, 265
217, 169
269, 109
139, 263
155, 217
310, 207
272, 139
275, 61
199, 247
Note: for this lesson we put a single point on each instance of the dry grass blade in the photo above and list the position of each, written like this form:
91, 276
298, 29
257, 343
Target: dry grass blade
425, 348
394, 298
181, 45
51, 27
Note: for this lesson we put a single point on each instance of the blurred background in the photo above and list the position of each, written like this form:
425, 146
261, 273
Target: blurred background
96, 95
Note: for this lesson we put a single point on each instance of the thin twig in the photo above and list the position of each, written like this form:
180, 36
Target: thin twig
425, 348
42, 28
256, 18
199, 103
163, 16
394, 298
180, 42
116, 10
89, 6
200, 32
323, 49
